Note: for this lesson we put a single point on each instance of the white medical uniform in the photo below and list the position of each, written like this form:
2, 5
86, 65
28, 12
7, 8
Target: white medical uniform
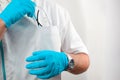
24, 37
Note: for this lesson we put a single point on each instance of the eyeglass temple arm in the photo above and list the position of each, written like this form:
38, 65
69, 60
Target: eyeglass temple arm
37, 19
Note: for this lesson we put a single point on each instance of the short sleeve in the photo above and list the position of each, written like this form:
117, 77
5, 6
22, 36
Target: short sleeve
71, 42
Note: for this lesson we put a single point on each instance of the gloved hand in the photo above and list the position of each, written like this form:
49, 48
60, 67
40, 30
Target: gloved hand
46, 64
15, 10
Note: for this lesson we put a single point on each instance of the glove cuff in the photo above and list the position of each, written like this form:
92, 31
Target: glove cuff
3, 18
66, 61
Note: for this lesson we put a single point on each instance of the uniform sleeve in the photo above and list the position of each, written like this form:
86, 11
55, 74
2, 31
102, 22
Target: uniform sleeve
71, 42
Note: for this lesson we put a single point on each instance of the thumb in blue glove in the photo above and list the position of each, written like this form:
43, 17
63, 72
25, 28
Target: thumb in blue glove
46, 64
15, 10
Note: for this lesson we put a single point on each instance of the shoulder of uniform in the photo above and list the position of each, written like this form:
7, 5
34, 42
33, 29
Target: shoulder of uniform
55, 12
55, 7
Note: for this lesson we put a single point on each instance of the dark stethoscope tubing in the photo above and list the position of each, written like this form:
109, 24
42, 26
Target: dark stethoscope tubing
3, 60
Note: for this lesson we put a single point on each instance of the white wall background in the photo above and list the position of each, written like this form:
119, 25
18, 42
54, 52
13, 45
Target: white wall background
112, 68
97, 22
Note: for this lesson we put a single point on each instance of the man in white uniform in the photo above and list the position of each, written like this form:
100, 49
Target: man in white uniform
39, 41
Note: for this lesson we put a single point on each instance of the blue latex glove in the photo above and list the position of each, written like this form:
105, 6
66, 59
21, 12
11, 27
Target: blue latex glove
46, 64
15, 10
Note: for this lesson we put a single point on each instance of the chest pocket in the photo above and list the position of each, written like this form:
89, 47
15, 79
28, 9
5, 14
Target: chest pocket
29, 37
48, 38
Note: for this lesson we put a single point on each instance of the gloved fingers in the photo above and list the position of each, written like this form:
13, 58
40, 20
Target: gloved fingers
34, 65
35, 58
32, 9
36, 53
29, 8
41, 71
52, 73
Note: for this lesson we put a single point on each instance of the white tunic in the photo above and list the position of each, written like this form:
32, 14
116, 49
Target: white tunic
24, 37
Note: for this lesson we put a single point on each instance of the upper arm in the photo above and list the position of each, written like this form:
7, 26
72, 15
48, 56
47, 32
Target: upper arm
71, 41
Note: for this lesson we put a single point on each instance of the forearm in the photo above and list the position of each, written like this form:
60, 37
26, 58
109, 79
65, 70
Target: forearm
81, 61
2, 29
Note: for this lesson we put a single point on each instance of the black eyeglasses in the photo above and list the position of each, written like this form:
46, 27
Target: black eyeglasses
45, 19
39, 24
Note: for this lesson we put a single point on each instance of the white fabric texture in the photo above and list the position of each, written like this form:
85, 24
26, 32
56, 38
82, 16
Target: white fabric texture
24, 37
